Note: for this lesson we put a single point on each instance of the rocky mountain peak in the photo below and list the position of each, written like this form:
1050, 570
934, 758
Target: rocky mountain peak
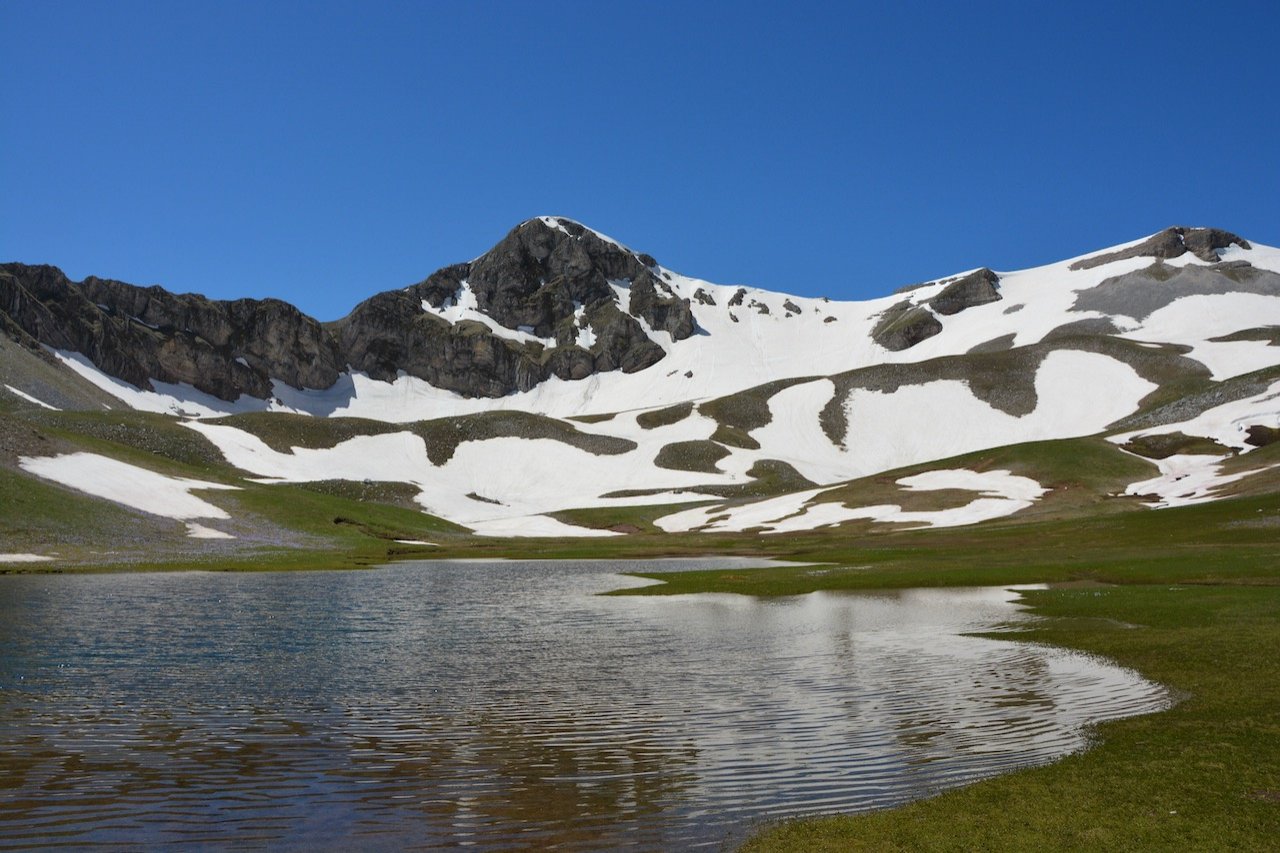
1204, 243
592, 305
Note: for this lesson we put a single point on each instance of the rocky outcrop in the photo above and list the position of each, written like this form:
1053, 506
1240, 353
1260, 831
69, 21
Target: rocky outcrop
1204, 243
904, 325
141, 334
552, 278
653, 301
977, 288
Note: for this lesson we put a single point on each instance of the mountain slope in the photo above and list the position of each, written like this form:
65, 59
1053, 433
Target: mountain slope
563, 378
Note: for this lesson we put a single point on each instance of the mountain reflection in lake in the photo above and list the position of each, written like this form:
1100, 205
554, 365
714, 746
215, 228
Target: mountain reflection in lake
503, 705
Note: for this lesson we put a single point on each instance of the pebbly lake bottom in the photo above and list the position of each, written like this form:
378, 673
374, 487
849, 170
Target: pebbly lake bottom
505, 706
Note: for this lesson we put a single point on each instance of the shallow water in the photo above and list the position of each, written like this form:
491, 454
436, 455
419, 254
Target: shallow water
503, 705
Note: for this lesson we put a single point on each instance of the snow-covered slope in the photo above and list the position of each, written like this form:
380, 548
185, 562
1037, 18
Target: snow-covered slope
813, 388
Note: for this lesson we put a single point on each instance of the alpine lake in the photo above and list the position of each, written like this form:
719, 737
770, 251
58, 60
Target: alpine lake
506, 705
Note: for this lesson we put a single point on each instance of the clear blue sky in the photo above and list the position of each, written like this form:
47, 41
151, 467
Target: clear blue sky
321, 152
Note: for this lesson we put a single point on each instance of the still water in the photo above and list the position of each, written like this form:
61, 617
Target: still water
503, 705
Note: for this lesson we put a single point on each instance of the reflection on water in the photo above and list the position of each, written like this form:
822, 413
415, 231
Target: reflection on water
503, 705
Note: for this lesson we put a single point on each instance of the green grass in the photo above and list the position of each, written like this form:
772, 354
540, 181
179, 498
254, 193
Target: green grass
623, 519
283, 431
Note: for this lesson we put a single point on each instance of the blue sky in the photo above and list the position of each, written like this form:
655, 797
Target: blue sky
321, 152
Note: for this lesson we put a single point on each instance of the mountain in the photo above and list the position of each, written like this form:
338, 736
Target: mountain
563, 384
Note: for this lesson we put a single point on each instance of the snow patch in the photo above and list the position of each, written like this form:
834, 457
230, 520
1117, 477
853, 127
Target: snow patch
1187, 479
534, 525
181, 400
122, 483
463, 305
199, 531
24, 558
1195, 319
25, 396
1078, 393
1003, 493
1227, 424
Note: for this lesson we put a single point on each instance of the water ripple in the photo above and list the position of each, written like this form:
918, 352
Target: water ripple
502, 706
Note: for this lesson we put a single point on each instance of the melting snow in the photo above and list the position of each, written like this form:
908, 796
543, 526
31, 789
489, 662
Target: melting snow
1078, 393
199, 531
534, 525
23, 558
1003, 494
168, 399
1185, 480
1227, 424
25, 396
127, 484
1195, 478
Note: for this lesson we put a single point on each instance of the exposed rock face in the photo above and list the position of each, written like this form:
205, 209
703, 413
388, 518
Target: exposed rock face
977, 288
1204, 243
552, 278
540, 278
139, 334
904, 325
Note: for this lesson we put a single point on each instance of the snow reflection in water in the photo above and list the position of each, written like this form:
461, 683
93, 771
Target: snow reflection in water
504, 705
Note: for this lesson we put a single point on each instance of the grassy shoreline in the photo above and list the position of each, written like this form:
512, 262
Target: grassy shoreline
1200, 616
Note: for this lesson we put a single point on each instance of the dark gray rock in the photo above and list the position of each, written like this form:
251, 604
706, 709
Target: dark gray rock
1204, 243
904, 325
977, 288
653, 300
537, 277
141, 334
621, 343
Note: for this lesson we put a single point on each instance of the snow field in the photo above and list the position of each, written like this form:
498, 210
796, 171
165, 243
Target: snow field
1227, 424
1195, 478
739, 347
1078, 393
1185, 480
503, 479
1002, 493
488, 485
1194, 319
132, 486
